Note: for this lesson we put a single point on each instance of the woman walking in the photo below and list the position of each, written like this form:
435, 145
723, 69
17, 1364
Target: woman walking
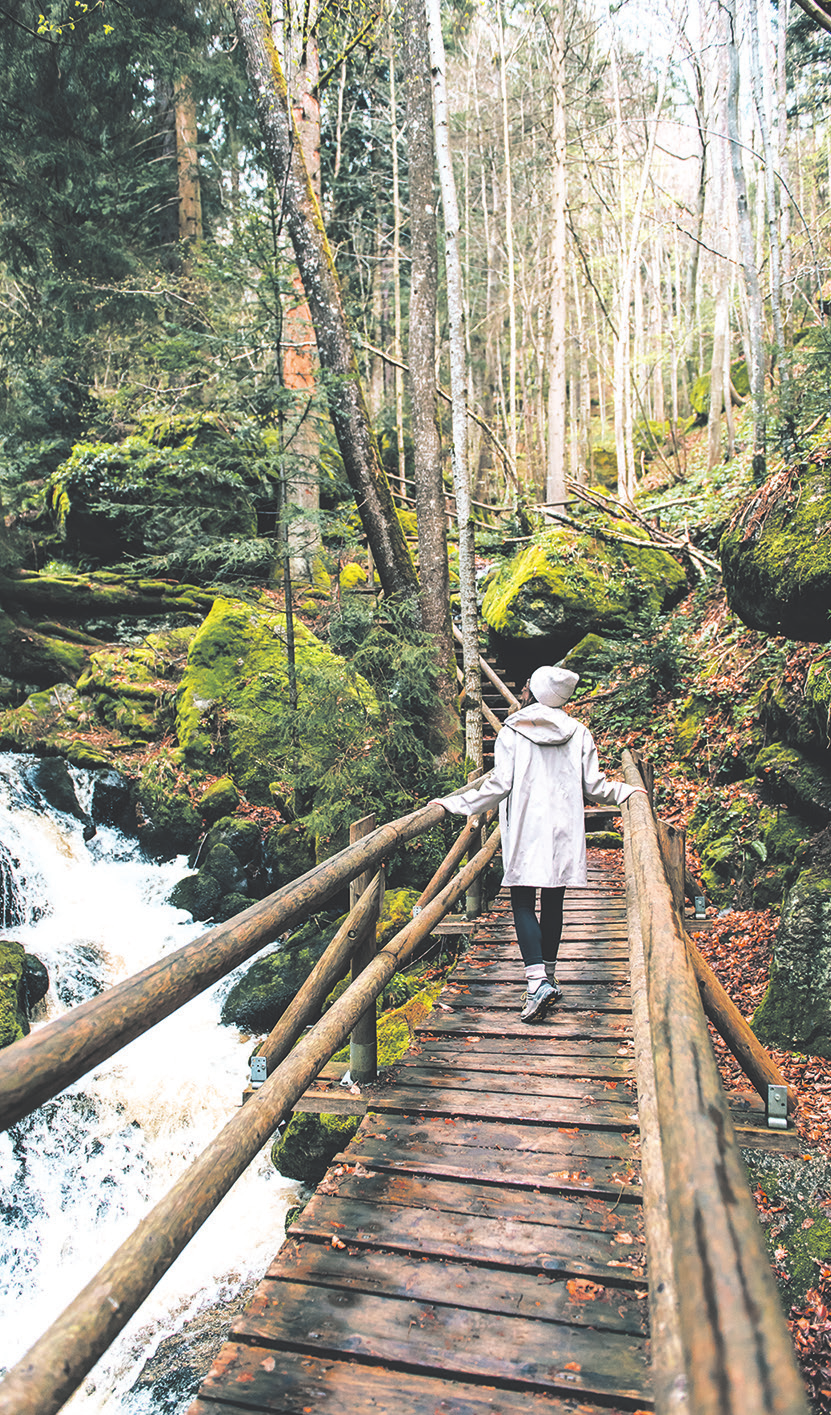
545, 767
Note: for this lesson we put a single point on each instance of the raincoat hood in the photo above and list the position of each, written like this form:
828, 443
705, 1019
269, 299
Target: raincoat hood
545, 726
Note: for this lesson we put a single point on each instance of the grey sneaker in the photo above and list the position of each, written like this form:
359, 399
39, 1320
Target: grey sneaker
536, 1003
558, 992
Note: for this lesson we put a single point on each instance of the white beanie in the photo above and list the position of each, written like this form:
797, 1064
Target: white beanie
553, 686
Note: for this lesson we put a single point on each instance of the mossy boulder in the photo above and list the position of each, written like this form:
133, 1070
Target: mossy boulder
233, 705
353, 576
748, 850
221, 798
40, 659
566, 585
260, 997
288, 853
689, 722
23, 982
776, 555
796, 1009
591, 658
309, 1143
238, 834
796, 780
794, 1217
198, 894
169, 822
141, 496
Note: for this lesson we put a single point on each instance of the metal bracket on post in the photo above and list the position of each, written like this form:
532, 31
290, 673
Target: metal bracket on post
777, 1107
259, 1072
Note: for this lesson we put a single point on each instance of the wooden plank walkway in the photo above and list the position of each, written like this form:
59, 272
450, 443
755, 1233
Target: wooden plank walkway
478, 1247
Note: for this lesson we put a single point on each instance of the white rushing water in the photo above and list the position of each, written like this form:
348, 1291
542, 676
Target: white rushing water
78, 1175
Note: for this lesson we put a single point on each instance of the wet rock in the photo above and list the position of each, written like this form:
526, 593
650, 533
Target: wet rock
309, 1143
180, 1363
113, 802
170, 824
23, 982
50, 776
198, 894
35, 982
796, 1009
288, 853
264, 992
796, 780
231, 905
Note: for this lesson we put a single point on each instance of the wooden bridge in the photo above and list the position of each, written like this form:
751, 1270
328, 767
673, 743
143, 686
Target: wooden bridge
521, 1204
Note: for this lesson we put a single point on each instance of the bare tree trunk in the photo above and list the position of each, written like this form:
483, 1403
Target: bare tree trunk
772, 215
396, 279
458, 392
751, 275
297, 45
555, 486
782, 160
304, 222
421, 358
187, 161
509, 243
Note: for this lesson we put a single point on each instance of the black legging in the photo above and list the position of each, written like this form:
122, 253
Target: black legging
539, 940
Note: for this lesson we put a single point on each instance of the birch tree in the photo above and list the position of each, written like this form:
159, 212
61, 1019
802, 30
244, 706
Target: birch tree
458, 392
555, 485
427, 467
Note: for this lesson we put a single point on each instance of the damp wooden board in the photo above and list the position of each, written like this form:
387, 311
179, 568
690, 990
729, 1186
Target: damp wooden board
478, 1244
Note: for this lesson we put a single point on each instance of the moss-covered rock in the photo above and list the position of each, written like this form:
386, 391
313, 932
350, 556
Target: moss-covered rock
776, 555
796, 780
590, 658
138, 497
170, 824
233, 704
29, 656
220, 799
263, 993
288, 853
238, 834
352, 576
23, 982
796, 1009
604, 840
749, 851
198, 894
793, 1213
689, 722
566, 585
309, 1143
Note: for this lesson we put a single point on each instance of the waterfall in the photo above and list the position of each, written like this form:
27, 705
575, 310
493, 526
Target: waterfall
78, 1174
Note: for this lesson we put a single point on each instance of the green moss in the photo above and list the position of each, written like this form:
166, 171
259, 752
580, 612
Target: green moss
289, 853
690, 721
567, 585
590, 658
220, 799
309, 1144
13, 1024
32, 657
171, 823
796, 1009
797, 780
233, 703
748, 850
776, 556
352, 575
604, 840
796, 1226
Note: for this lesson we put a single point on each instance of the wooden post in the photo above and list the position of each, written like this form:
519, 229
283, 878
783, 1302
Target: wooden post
673, 845
473, 898
363, 1043
647, 772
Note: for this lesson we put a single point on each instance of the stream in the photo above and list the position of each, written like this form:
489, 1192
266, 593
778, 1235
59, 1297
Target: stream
78, 1174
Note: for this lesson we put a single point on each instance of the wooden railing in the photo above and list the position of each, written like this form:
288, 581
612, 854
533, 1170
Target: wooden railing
42, 1064
720, 1344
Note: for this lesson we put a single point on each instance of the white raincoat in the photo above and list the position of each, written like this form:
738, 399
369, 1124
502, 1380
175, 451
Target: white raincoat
545, 765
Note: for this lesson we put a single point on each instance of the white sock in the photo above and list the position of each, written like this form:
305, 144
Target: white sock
535, 975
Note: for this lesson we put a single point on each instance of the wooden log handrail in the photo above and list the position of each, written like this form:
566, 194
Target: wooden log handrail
40, 1065
55, 1366
738, 1357
492, 676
